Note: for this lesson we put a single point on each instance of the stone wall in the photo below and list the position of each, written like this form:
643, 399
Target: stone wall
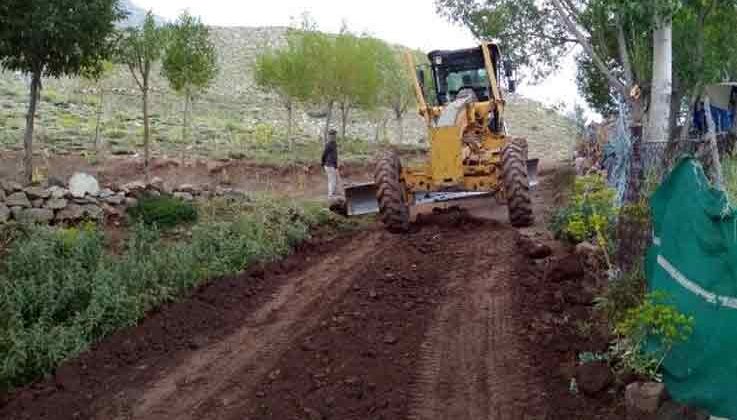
83, 199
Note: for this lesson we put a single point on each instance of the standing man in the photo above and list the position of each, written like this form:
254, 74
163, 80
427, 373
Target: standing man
330, 163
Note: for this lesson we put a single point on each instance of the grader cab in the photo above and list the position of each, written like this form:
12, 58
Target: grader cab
470, 152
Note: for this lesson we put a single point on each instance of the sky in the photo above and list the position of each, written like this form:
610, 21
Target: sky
413, 23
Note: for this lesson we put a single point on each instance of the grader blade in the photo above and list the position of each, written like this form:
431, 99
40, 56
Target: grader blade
361, 199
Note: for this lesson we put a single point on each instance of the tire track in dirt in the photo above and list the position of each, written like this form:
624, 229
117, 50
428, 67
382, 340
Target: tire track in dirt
247, 354
472, 366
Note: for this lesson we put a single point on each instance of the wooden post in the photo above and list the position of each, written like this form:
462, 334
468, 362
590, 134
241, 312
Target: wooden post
716, 164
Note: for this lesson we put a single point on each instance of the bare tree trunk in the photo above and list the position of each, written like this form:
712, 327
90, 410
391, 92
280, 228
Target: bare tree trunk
98, 123
290, 114
716, 164
345, 110
328, 120
400, 126
676, 104
30, 119
660, 101
146, 133
185, 120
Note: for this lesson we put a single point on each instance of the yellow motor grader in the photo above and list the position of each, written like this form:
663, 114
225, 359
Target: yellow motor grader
470, 152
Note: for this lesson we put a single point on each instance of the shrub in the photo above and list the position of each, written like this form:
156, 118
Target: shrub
589, 215
621, 295
60, 291
163, 211
653, 321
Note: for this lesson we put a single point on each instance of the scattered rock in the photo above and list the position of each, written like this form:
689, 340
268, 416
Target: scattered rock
188, 188
55, 182
131, 202
17, 199
2, 195
671, 410
58, 192
115, 200
593, 378
38, 203
82, 184
566, 268
313, 414
71, 213
533, 248
644, 398
214, 167
134, 186
157, 183
105, 193
110, 210
4, 213
16, 212
37, 192
184, 196
56, 204
36, 215
93, 211
11, 186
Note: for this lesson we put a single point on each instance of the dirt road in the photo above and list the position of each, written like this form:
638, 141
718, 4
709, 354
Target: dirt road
437, 324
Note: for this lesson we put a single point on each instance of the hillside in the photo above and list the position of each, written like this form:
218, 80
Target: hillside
234, 116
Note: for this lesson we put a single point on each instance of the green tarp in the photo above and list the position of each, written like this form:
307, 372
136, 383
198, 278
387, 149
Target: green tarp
694, 261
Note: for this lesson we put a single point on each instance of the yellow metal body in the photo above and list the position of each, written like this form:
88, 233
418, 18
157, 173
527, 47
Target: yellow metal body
455, 165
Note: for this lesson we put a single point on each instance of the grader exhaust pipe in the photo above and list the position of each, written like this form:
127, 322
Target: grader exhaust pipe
360, 199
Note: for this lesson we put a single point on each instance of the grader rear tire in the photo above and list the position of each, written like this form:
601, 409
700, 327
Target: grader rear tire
393, 208
516, 184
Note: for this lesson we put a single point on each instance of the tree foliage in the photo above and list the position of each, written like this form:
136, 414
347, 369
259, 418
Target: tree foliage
190, 60
347, 71
531, 34
54, 38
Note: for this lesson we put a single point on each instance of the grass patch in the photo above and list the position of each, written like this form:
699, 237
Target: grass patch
61, 290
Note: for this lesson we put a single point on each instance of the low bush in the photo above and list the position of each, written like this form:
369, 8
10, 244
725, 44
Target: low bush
589, 214
654, 322
163, 211
60, 290
622, 295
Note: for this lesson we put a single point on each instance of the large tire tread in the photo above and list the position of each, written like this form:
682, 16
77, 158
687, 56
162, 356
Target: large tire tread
516, 184
393, 209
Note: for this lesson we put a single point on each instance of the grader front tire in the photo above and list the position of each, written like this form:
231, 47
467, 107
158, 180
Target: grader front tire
393, 208
516, 184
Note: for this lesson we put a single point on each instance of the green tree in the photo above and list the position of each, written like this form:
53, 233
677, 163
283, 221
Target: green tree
190, 61
97, 79
54, 38
286, 72
139, 49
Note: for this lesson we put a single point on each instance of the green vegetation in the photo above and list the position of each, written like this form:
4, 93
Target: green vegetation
139, 49
45, 40
589, 215
654, 324
190, 61
61, 290
163, 211
622, 295
346, 71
